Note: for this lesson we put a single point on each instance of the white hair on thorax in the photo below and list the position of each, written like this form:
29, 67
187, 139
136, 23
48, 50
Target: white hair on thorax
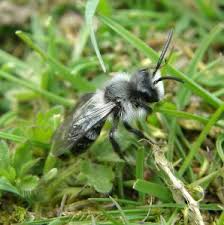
119, 76
159, 86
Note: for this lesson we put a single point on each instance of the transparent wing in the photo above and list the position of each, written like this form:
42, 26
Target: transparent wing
75, 126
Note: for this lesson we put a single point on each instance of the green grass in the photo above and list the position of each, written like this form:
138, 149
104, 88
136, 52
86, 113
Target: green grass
48, 63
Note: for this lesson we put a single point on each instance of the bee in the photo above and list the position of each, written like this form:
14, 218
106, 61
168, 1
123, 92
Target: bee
123, 99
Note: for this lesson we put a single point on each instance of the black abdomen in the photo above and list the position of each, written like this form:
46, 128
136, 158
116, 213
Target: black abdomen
83, 143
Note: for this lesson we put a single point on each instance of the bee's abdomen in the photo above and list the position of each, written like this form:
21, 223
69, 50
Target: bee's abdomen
89, 138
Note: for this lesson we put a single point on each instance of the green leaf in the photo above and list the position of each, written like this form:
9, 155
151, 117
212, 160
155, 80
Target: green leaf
28, 183
9, 173
50, 163
26, 167
105, 7
55, 111
22, 156
108, 155
153, 189
220, 146
50, 174
45, 125
91, 6
98, 176
4, 155
5, 185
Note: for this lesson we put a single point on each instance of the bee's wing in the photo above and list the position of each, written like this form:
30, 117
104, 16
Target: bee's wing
75, 126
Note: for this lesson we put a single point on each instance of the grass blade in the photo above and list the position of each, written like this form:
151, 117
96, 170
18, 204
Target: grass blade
184, 94
50, 96
140, 169
5, 185
204, 181
82, 39
7, 117
182, 114
19, 64
185, 115
221, 219
91, 6
219, 146
21, 139
205, 8
196, 146
12, 137
78, 82
120, 210
123, 201
153, 189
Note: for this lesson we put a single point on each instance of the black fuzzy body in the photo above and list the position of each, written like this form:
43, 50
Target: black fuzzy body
131, 95
90, 136
136, 90
124, 98
88, 139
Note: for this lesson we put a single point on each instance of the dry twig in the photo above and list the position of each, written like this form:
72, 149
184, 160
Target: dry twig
178, 189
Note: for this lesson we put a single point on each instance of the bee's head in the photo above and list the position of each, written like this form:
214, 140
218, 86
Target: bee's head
143, 84
148, 84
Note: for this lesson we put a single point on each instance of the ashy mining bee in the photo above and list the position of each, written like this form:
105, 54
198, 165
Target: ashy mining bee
124, 98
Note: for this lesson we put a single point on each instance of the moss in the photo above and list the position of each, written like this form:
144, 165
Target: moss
11, 213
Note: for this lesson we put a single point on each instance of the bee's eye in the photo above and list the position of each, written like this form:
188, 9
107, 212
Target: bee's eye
150, 96
145, 96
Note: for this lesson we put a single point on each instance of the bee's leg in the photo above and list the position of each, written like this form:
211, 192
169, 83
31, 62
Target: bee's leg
146, 108
112, 139
139, 134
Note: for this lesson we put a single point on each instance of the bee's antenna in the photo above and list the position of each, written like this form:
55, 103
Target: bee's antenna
168, 78
164, 50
